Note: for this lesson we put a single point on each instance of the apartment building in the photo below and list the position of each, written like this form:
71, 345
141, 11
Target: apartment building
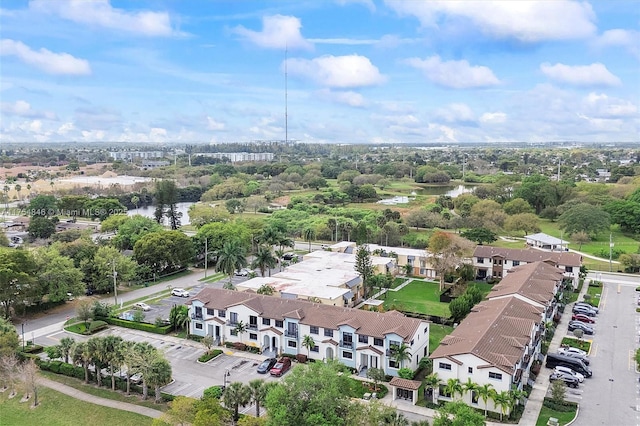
495, 262
357, 338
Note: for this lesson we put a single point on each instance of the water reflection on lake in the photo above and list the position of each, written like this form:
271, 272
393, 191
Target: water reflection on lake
450, 190
148, 211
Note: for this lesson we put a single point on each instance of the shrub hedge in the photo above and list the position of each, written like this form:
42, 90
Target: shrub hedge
142, 326
210, 355
564, 407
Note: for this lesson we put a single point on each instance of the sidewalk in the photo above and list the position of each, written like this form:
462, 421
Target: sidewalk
77, 394
539, 391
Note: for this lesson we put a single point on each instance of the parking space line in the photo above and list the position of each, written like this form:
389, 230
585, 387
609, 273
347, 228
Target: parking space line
631, 359
594, 350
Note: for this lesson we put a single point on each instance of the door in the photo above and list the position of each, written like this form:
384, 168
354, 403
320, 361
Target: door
364, 361
217, 331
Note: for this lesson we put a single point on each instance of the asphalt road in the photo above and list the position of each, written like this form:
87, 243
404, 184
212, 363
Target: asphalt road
610, 397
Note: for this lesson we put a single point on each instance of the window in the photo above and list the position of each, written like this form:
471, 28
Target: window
233, 318
266, 321
279, 323
234, 332
315, 349
253, 321
516, 263
444, 366
443, 391
222, 313
394, 364
313, 329
253, 336
328, 332
495, 376
347, 354
292, 344
378, 342
211, 312
481, 260
470, 370
363, 339
474, 397
568, 268
198, 326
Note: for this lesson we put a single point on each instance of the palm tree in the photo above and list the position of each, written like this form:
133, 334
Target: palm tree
234, 396
66, 343
485, 392
266, 289
18, 188
516, 397
309, 234
470, 387
179, 316
240, 329
127, 354
264, 260
94, 346
279, 256
309, 343
454, 387
80, 354
432, 381
258, 393
142, 358
393, 418
159, 374
111, 348
231, 257
284, 241
400, 353
502, 400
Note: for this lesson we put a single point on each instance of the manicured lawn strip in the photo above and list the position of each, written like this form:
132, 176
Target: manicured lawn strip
575, 343
398, 281
437, 332
595, 293
546, 413
484, 287
58, 409
215, 277
508, 244
594, 247
92, 389
420, 297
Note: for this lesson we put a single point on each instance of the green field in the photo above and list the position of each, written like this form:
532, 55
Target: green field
437, 332
546, 413
58, 409
418, 296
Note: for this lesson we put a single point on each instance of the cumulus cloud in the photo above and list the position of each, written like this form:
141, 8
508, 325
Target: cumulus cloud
348, 97
456, 113
525, 20
628, 39
367, 3
602, 106
45, 60
337, 71
493, 117
278, 32
23, 109
97, 118
454, 74
595, 74
100, 13
215, 125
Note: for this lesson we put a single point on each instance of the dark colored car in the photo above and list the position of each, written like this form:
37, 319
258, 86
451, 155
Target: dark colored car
583, 318
281, 367
581, 326
569, 380
266, 365
289, 256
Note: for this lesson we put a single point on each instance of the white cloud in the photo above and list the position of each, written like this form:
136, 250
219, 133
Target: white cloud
368, 3
345, 41
349, 97
337, 71
66, 128
524, 20
100, 13
215, 125
278, 32
493, 117
595, 74
456, 113
45, 60
602, 106
454, 74
629, 39
23, 109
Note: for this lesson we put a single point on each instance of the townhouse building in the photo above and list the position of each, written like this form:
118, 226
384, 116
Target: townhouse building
495, 262
357, 338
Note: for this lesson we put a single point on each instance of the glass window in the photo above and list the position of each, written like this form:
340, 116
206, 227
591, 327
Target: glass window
444, 366
292, 344
313, 329
347, 354
474, 397
568, 268
495, 376
279, 324
481, 260
394, 364
198, 326
266, 321
470, 370
233, 317
378, 342
253, 336
222, 313
516, 263
328, 332
363, 339
315, 349
211, 312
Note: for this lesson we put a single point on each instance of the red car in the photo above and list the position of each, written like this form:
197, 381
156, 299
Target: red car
583, 318
281, 367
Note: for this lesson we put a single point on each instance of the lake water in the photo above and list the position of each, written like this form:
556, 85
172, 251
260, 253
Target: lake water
149, 211
450, 190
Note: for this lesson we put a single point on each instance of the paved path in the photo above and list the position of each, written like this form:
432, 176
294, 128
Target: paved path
119, 405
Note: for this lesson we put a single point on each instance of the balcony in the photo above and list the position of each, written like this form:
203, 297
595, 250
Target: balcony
232, 323
196, 316
344, 344
252, 327
291, 333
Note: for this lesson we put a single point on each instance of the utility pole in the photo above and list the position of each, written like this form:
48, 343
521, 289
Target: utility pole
206, 256
610, 251
115, 285
558, 177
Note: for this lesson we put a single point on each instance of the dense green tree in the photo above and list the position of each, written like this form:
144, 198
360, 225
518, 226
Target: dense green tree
234, 396
43, 206
525, 222
458, 414
41, 227
57, 275
364, 267
101, 208
182, 412
480, 235
201, 214
166, 199
164, 251
99, 270
179, 317
626, 213
132, 229
17, 272
264, 260
446, 251
9, 340
586, 218
517, 206
231, 257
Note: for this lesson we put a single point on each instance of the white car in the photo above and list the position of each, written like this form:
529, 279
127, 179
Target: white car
180, 292
141, 305
244, 272
571, 351
567, 370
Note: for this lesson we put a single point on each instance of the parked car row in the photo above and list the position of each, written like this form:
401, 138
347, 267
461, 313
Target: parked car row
275, 367
583, 318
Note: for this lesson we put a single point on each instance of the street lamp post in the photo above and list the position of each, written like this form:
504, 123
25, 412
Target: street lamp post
224, 379
115, 284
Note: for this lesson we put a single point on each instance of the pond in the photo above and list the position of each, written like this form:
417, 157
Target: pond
449, 190
148, 211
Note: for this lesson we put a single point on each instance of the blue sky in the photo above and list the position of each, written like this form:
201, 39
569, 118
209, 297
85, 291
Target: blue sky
359, 71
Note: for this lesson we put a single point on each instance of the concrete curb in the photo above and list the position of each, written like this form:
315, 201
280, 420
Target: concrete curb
576, 416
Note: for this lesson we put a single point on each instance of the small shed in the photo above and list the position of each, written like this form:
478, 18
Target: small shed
546, 242
405, 389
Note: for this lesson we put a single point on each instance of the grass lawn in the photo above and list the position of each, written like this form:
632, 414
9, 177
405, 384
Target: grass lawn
598, 246
58, 409
420, 297
92, 389
398, 281
595, 293
217, 276
575, 343
437, 332
484, 287
563, 417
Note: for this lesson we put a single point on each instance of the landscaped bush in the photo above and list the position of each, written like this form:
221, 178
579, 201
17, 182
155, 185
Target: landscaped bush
96, 326
151, 328
302, 358
55, 366
195, 337
66, 369
239, 346
405, 373
593, 283
564, 407
213, 392
210, 355
33, 349
293, 357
